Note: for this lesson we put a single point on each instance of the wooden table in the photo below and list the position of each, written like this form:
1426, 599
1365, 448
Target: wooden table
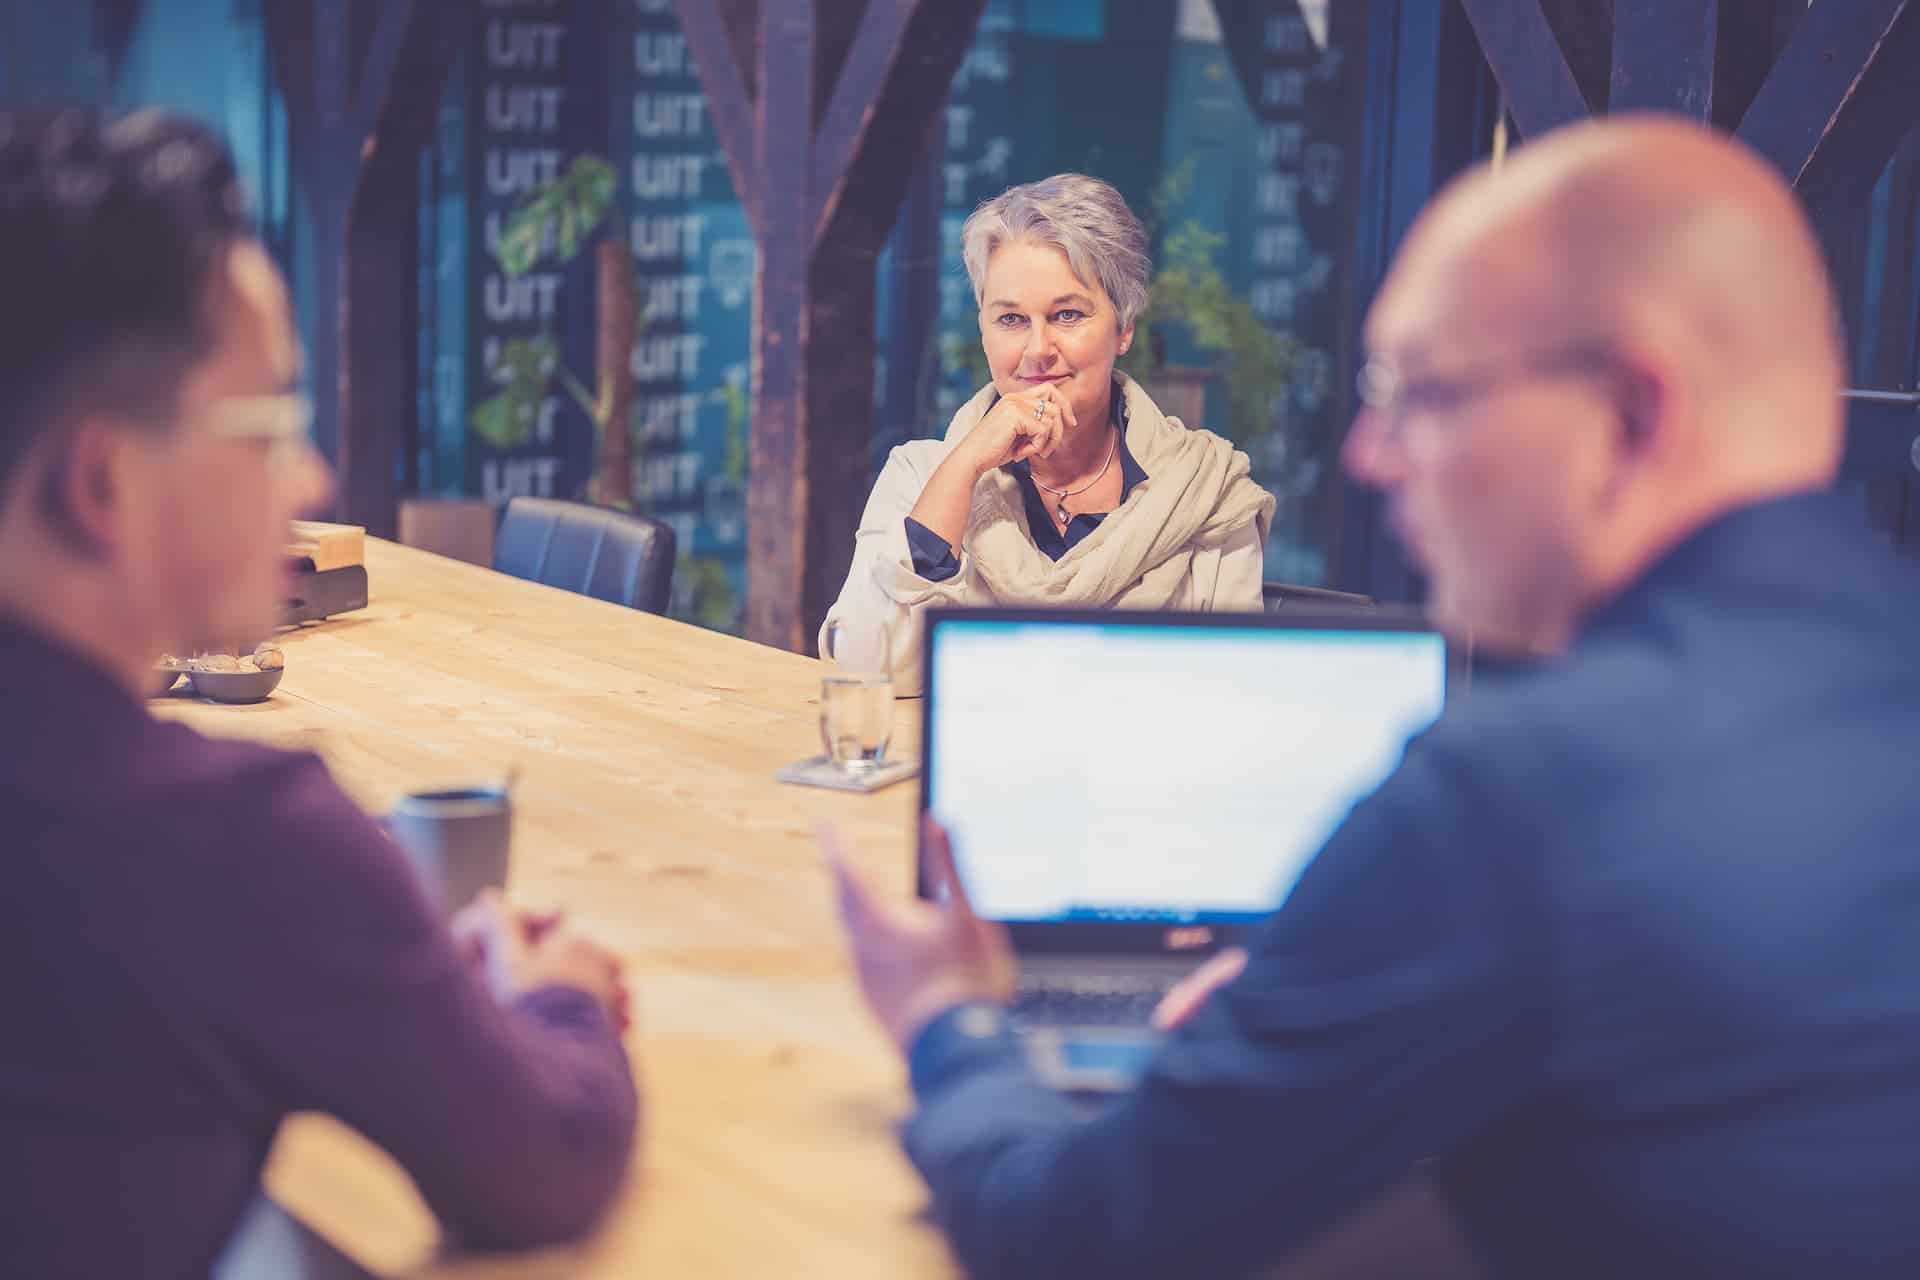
646, 807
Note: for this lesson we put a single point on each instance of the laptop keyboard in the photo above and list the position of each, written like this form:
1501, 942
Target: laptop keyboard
1086, 1002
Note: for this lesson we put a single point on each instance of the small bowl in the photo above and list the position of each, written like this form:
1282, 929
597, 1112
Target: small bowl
236, 686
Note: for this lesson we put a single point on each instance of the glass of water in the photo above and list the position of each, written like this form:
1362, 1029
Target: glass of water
856, 695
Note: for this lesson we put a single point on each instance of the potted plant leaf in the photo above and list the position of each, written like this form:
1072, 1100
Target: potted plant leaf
556, 219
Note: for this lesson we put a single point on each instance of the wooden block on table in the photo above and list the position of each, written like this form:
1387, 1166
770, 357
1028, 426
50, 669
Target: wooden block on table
461, 528
329, 546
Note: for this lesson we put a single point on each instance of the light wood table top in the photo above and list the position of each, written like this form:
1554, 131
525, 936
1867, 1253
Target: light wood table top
647, 808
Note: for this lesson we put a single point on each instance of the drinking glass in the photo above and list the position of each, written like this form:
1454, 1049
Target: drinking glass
856, 695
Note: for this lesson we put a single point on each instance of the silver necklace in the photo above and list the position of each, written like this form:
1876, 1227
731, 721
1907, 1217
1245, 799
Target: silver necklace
1060, 496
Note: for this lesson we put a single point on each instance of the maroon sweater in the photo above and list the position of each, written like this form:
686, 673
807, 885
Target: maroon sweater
198, 937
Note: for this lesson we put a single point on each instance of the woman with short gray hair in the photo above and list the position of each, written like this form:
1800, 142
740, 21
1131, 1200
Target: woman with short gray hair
1060, 482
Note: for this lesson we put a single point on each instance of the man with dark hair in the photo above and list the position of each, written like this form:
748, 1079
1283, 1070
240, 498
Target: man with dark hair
1627, 946
198, 937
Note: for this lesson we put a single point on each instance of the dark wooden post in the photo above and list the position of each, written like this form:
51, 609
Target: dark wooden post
1829, 112
362, 83
612, 483
1663, 56
1840, 98
1530, 62
822, 107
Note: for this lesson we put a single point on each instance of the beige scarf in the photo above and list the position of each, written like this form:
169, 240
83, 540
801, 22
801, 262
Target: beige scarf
1199, 489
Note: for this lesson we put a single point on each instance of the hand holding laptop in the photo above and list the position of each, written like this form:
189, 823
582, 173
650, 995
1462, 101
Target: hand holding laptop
916, 959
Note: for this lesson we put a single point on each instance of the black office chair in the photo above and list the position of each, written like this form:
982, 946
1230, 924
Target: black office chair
1278, 595
595, 551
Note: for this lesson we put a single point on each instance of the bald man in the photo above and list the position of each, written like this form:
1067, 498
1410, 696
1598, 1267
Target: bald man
1627, 951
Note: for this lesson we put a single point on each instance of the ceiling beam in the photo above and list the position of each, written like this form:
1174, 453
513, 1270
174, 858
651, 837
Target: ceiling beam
1522, 48
1840, 98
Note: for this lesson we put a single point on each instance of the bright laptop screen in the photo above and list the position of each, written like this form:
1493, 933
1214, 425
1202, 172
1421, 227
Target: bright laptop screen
1114, 771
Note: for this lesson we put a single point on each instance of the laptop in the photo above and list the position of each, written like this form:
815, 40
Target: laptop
1131, 792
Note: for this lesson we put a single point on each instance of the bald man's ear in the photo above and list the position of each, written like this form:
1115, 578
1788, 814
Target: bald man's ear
1650, 401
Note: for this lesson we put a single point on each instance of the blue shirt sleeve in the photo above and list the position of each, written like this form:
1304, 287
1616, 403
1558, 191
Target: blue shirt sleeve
1386, 1014
933, 557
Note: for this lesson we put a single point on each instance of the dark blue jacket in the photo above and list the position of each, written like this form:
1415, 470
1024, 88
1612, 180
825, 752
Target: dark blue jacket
1630, 944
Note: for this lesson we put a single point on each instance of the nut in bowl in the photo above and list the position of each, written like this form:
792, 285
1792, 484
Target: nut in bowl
223, 677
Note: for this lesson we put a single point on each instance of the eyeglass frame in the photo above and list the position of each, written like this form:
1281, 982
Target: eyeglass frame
283, 419
1449, 394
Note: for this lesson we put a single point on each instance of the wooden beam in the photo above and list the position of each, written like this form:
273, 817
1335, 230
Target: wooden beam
1521, 47
383, 55
308, 47
837, 25
1840, 98
868, 66
1664, 56
1584, 30
741, 19
1752, 34
777, 490
395, 110
822, 141
356, 131
839, 430
894, 82
724, 59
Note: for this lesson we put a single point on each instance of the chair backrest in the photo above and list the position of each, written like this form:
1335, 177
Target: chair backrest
595, 551
1278, 595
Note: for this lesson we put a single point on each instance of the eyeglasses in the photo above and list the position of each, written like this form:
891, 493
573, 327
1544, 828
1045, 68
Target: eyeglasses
1396, 397
282, 420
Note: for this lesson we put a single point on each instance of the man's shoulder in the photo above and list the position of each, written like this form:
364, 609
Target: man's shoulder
1521, 737
1500, 707
1690, 688
162, 841
204, 805
244, 779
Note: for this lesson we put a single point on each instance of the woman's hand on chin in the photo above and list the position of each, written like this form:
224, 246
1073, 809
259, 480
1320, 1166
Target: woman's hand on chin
1026, 424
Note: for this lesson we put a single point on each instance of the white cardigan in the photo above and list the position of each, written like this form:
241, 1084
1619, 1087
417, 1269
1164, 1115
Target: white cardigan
1191, 536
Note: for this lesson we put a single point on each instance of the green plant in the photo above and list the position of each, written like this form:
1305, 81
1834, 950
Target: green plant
557, 218
1190, 297
564, 211
523, 367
